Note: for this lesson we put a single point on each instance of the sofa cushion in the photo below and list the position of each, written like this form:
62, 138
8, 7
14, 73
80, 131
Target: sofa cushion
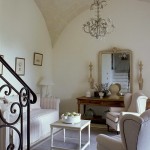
4, 107
40, 120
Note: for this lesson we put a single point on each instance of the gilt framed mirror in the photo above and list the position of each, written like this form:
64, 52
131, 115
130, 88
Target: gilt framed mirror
115, 66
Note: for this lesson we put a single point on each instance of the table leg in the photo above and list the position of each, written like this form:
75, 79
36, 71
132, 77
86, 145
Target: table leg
80, 140
84, 109
64, 134
51, 137
78, 108
89, 134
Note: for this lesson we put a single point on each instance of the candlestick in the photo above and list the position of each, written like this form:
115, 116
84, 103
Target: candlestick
140, 79
91, 80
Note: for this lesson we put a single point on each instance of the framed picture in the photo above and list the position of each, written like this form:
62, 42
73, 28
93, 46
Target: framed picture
20, 66
1, 65
38, 58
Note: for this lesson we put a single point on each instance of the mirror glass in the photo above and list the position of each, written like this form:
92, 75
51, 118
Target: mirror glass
115, 66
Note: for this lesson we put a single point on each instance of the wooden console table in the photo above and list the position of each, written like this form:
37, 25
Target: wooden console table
94, 101
106, 101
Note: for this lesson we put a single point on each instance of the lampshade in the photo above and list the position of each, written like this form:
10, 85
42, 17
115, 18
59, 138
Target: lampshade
46, 81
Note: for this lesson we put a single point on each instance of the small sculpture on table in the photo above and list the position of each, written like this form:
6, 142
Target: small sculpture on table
114, 90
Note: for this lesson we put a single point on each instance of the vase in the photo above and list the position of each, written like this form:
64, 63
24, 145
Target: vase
96, 94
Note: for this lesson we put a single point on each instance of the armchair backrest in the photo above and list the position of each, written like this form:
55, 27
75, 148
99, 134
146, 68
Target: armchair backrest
127, 100
138, 103
144, 134
135, 131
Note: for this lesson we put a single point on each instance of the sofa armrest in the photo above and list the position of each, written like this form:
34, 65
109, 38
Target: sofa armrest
50, 103
4, 133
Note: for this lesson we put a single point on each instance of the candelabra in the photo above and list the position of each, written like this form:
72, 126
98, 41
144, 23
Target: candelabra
91, 80
140, 79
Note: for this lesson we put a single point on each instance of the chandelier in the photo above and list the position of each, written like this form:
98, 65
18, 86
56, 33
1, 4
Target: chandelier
98, 27
124, 56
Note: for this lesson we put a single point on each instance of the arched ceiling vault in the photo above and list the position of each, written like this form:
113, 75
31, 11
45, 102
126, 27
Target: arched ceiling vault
58, 13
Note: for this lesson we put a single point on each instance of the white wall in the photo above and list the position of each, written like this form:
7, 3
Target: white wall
75, 49
23, 32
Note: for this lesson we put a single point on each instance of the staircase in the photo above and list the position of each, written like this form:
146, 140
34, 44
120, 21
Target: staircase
26, 97
123, 80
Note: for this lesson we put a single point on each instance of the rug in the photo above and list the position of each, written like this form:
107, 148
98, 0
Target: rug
71, 143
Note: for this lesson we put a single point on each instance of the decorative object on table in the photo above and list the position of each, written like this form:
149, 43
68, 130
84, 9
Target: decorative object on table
37, 59
119, 85
88, 93
96, 94
140, 79
20, 66
101, 94
98, 27
114, 90
71, 117
1, 65
102, 87
89, 113
91, 80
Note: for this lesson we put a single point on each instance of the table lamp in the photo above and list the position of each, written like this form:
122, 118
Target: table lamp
45, 82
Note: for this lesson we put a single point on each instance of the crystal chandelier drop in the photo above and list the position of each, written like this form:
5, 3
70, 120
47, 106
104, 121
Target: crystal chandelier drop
98, 27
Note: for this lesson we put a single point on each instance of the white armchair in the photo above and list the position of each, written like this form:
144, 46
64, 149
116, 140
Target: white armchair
134, 134
134, 104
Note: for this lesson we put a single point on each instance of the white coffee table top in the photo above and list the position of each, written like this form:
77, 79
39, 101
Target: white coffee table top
81, 125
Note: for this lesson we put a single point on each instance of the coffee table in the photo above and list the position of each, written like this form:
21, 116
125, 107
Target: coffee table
78, 127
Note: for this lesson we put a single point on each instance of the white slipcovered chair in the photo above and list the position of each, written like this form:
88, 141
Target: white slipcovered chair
134, 104
134, 134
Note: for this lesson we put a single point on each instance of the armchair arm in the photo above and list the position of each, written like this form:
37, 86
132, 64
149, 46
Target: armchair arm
50, 103
131, 113
109, 142
116, 109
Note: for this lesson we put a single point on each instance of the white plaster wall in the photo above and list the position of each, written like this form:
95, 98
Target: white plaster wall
23, 32
75, 49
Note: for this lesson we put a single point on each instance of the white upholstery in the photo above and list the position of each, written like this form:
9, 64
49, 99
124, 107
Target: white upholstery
134, 134
134, 104
42, 115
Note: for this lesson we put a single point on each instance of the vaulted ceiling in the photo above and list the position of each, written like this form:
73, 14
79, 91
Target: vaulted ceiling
58, 13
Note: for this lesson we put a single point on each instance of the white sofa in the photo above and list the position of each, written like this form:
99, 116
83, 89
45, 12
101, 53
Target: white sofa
43, 113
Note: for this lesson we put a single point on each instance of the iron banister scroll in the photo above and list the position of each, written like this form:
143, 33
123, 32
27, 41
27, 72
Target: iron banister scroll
26, 97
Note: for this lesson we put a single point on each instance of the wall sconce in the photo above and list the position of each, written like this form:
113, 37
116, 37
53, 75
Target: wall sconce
140, 79
91, 80
45, 82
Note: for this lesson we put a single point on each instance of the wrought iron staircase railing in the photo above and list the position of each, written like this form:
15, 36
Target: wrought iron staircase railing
26, 97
